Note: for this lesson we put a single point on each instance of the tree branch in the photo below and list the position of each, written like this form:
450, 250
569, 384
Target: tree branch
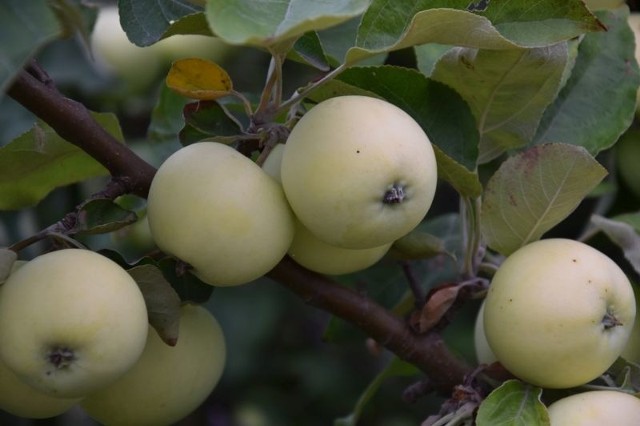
427, 351
72, 121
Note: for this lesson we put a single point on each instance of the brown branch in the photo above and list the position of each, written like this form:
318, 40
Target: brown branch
426, 351
73, 122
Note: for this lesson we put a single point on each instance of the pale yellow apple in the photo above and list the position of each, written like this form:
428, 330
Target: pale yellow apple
558, 313
313, 253
484, 354
20, 399
167, 383
71, 321
217, 210
137, 66
318, 256
596, 408
273, 163
358, 172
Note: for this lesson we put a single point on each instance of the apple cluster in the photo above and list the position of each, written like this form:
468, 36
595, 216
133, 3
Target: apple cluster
355, 174
558, 314
74, 331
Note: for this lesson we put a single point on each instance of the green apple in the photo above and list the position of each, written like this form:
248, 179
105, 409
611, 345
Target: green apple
215, 209
318, 256
137, 66
484, 354
20, 399
596, 408
71, 321
558, 313
314, 254
358, 172
168, 382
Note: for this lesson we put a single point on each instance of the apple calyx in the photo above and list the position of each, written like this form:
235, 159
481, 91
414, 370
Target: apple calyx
609, 321
61, 357
394, 195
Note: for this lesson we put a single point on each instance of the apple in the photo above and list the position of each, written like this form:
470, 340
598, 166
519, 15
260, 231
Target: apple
167, 383
137, 66
215, 209
314, 254
484, 354
358, 172
596, 408
318, 256
71, 321
558, 313
20, 399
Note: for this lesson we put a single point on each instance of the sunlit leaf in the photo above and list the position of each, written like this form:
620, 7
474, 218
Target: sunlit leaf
513, 403
267, 22
597, 103
25, 27
199, 78
535, 190
394, 25
163, 303
39, 161
507, 90
623, 235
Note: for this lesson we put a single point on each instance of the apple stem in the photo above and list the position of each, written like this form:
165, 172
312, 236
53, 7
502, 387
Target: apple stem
610, 321
61, 357
394, 195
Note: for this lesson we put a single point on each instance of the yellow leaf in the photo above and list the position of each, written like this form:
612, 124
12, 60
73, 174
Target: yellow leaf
199, 79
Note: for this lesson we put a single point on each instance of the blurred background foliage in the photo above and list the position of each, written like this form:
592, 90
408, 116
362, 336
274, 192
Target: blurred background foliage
288, 364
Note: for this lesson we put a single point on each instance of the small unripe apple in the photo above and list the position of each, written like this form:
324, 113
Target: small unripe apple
596, 408
359, 172
484, 354
318, 256
217, 210
71, 321
558, 313
168, 382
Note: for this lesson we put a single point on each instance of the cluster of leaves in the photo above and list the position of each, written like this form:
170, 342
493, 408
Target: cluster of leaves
521, 101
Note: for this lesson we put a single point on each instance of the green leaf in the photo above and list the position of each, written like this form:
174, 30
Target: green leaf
208, 120
441, 112
267, 23
394, 25
513, 404
597, 103
623, 235
535, 190
25, 27
39, 161
147, 21
99, 216
188, 286
507, 90
166, 117
427, 55
163, 303
308, 49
